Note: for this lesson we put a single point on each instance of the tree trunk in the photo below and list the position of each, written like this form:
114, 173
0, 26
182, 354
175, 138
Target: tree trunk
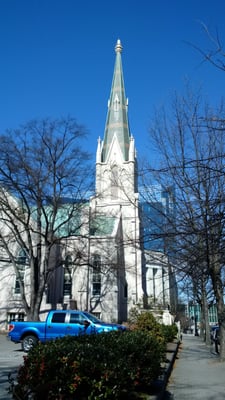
221, 319
218, 289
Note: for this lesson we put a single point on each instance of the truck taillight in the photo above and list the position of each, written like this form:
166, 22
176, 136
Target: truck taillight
11, 327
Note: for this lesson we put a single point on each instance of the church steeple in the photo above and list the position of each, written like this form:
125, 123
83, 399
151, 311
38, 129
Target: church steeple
117, 119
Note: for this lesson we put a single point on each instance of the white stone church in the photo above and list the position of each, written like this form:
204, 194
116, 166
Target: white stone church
114, 273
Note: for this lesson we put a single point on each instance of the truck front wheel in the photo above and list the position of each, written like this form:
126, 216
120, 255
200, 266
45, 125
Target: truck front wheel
28, 342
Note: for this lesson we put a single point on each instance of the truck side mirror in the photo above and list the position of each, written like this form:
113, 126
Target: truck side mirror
86, 323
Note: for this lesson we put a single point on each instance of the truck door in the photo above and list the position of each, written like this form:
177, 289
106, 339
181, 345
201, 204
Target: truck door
78, 325
56, 327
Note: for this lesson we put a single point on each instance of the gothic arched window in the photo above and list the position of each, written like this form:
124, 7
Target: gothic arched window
96, 275
67, 284
20, 265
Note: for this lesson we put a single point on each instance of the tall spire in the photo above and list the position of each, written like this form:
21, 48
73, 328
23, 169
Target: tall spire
117, 119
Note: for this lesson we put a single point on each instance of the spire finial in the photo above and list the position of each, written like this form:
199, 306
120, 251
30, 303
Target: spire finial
118, 47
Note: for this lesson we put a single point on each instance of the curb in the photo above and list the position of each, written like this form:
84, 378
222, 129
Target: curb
160, 385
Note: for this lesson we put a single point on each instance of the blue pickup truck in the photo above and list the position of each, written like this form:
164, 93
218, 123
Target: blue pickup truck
58, 323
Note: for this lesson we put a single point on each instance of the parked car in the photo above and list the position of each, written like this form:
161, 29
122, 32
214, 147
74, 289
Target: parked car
58, 323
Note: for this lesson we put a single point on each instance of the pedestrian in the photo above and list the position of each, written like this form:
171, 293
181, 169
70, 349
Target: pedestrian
215, 339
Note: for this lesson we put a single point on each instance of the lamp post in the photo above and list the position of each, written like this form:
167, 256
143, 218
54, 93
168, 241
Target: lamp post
195, 320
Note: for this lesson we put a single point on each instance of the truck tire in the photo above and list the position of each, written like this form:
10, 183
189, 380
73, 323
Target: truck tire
28, 342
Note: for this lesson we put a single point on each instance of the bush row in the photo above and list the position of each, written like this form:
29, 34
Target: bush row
147, 322
110, 365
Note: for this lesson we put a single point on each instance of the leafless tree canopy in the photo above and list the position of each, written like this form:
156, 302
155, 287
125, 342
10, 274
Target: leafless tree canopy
214, 53
44, 174
191, 148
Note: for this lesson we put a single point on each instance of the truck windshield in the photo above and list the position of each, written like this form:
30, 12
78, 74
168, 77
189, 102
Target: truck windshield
91, 317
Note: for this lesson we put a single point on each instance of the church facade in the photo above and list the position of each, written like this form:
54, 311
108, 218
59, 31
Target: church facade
106, 269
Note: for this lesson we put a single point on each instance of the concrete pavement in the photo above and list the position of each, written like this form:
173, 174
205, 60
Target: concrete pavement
11, 356
197, 373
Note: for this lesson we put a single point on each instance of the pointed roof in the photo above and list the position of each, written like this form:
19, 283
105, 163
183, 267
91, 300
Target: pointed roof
117, 119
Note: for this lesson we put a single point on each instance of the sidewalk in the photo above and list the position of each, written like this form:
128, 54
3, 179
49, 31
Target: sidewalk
197, 373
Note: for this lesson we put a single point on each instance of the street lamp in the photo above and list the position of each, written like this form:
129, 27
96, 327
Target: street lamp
195, 320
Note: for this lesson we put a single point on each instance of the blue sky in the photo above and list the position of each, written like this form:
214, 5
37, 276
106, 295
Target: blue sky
57, 58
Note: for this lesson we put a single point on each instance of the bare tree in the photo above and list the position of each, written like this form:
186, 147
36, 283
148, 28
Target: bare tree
215, 54
44, 177
191, 146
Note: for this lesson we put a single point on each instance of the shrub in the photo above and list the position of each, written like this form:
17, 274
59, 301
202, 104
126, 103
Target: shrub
169, 332
147, 322
104, 366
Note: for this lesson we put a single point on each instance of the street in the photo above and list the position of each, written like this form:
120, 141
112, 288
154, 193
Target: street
11, 356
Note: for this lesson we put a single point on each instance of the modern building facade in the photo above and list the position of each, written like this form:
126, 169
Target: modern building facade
157, 205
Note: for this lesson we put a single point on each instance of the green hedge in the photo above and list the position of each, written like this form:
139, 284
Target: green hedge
169, 332
146, 322
105, 366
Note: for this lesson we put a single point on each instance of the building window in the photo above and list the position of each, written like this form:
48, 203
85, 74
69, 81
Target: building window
96, 314
15, 317
96, 275
67, 285
20, 264
21, 317
125, 291
11, 317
